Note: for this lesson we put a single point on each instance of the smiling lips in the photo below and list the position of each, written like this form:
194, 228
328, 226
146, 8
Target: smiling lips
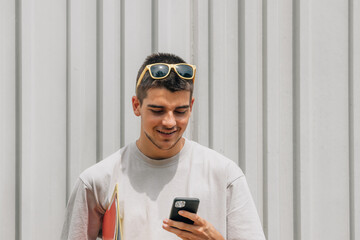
167, 133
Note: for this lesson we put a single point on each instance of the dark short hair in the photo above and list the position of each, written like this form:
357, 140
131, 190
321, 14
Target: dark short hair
172, 82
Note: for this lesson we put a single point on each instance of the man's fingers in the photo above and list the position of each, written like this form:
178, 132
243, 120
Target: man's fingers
192, 216
180, 233
200, 230
179, 225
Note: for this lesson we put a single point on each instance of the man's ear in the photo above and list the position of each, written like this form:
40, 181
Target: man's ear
136, 105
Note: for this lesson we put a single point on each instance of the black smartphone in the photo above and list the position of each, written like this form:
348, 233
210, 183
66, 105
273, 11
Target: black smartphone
186, 204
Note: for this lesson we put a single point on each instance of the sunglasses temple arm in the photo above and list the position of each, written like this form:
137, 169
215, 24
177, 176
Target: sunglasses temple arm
194, 75
141, 77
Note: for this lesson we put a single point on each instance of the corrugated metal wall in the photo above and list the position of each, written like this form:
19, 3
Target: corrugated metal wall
277, 90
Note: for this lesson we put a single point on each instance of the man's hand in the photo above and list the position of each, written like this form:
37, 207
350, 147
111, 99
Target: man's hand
201, 229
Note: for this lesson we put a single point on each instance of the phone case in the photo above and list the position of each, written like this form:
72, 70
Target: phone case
186, 204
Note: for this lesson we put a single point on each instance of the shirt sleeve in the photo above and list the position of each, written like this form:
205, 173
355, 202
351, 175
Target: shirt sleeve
83, 217
243, 221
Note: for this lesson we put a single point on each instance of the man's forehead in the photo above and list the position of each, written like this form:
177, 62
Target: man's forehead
162, 97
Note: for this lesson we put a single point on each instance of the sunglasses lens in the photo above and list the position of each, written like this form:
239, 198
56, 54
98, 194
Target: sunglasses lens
185, 71
159, 70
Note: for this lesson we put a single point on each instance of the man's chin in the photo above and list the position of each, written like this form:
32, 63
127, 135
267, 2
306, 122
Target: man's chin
164, 144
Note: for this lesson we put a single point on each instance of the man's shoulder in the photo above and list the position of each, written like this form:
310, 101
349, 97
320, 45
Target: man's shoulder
103, 165
210, 154
217, 160
102, 172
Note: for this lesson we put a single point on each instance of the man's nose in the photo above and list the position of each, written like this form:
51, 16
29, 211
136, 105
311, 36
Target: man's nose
169, 120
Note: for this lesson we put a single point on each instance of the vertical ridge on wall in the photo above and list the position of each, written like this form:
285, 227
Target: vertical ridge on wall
99, 80
154, 25
354, 109
68, 100
265, 119
241, 86
193, 27
193, 57
210, 74
351, 117
296, 123
18, 112
122, 73
193, 133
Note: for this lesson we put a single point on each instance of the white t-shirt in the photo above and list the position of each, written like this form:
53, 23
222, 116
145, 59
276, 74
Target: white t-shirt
147, 188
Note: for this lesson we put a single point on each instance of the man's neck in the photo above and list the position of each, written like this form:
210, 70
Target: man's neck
150, 150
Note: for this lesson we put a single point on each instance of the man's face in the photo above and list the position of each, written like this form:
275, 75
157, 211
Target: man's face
164, 117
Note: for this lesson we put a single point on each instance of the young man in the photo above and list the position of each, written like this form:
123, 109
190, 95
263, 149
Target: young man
162, 165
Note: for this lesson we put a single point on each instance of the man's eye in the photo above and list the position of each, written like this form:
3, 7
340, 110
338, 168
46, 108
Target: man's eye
156, 111
180, 112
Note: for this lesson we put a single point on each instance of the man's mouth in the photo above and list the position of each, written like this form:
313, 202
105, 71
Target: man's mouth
167, 133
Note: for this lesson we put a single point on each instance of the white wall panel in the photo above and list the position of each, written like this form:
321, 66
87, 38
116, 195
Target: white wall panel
7, 118
111, 83
175, 21
224, 77
43, 118
302, 120
82, 87
200, 115
325, 99
329, 120
251, 54
278, 117
200, 45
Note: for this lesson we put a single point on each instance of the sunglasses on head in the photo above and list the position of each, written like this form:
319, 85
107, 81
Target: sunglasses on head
162, 70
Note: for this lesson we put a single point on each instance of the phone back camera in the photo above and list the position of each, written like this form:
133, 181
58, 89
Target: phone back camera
180, 204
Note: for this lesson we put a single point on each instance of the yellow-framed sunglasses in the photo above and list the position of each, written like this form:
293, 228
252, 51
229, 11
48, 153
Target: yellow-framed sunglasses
162, 70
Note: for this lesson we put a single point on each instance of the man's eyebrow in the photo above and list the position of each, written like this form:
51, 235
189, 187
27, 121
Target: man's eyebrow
157, 106
154, 106
184, 106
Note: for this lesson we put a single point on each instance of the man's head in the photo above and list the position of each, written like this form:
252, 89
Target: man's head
173, 82
164, 105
